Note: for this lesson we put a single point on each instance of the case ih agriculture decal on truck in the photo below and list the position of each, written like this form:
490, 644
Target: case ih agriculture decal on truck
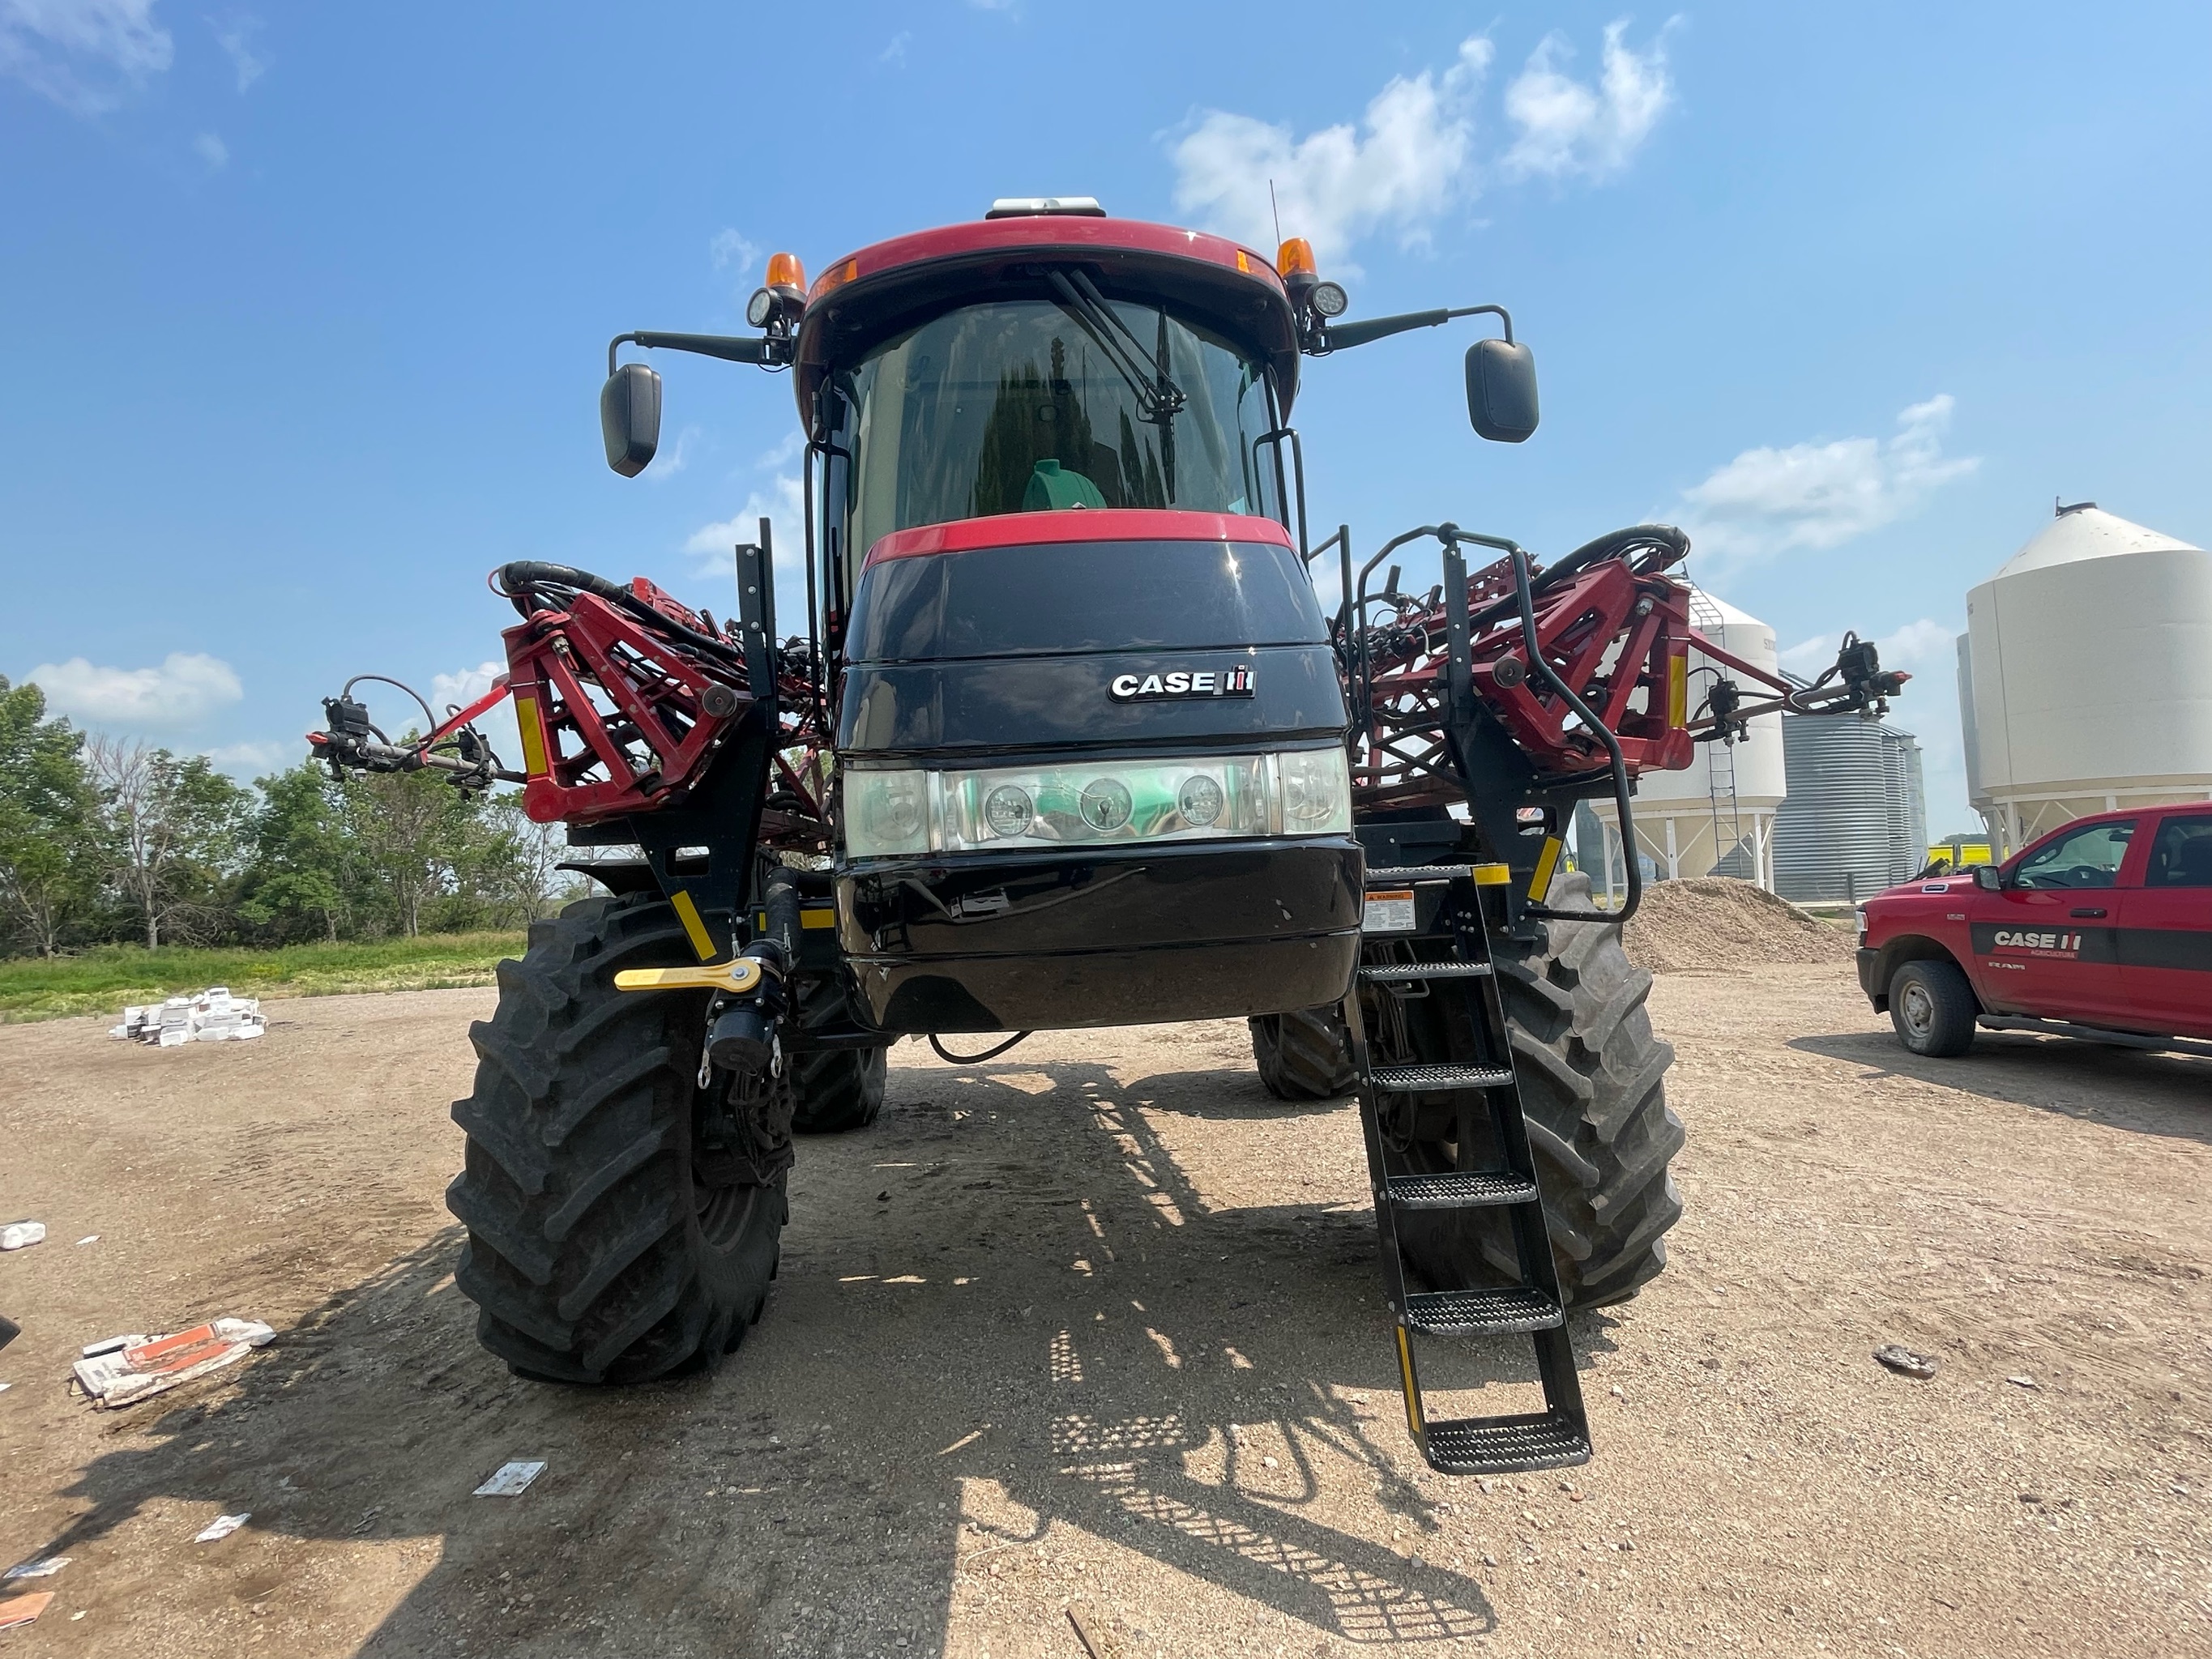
2095, 945
1223, 682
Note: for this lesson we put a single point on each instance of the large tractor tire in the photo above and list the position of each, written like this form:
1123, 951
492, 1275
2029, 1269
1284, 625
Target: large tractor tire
1302, 1056
837, 1089
622, 1220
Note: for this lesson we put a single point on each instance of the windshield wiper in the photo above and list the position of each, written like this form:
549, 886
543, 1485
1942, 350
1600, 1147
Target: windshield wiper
1159, 399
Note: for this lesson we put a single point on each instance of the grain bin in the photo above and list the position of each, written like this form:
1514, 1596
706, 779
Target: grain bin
1855, 820
1717, 816
2085, 676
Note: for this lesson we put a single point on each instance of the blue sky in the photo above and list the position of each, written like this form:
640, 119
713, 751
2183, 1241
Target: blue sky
311, 303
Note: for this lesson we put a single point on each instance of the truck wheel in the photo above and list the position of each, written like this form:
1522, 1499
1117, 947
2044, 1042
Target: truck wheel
835, 1089
1933, 1008
622, 1221
1592, 1091
1301, 1056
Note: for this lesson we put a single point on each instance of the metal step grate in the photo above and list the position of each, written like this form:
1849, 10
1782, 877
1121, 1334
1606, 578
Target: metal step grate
1460, 1190
1487, 1445
1399, 973
1489, 1310
1415, 1080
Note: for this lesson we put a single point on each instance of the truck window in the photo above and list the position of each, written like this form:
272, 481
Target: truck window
2182, 854
1020, 406
2087, 857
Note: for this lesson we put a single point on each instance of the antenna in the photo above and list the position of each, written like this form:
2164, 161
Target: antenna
1277, 211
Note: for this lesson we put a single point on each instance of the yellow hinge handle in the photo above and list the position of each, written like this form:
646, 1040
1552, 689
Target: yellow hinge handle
735, 977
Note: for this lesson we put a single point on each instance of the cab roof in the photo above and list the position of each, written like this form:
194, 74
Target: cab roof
890, 286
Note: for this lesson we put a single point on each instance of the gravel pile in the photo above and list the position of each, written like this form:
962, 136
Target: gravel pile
1710, 921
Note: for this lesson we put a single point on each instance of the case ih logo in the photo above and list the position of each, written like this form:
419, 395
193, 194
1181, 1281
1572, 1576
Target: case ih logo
1146, 688
2006, 939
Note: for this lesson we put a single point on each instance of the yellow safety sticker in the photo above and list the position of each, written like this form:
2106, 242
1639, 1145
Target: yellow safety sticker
533, 739
1678, 688
693, 927
1549, 861
1414, 1422
1493, 875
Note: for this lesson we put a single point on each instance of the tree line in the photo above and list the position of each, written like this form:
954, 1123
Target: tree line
104, 840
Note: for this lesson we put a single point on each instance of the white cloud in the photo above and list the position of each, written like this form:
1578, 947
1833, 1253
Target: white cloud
673, 459
185, 689
236, 40
1925, 647
782, 504
464, 688
896, 51
86, 55
211, 151
1768, 501
1569, 128
1407, 160
733, 253
786, 451
256, 759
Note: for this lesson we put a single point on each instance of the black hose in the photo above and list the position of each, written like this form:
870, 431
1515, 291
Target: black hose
947, 1055
515, 581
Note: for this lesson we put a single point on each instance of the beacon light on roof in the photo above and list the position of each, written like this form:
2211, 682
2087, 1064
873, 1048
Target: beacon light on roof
786, 275
1301, 273
1025, 207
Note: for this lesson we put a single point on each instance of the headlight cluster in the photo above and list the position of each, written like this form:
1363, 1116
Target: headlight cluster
1297, 792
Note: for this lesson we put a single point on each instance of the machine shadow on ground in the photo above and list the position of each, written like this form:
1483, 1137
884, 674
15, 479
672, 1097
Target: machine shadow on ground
2167, 1094
1006, 1319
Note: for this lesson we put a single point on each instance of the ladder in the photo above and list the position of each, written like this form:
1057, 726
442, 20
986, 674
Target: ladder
1451, 958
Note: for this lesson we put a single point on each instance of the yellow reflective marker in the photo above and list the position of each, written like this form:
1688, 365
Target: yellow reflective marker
736, 977
1413, 1389
687, 914
1493, 875
1678, 688
1541, 883
533, 740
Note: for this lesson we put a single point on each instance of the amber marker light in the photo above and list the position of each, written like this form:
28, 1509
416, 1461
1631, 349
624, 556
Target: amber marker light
786, 275
837, 277
1295, 259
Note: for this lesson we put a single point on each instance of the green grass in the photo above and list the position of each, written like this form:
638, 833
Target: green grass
101, 980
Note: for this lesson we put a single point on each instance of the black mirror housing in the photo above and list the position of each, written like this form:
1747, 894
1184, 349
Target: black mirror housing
630, 417
1989, 878
1501, 391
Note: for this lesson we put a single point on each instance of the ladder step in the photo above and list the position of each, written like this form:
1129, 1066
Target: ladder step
1397, 875
1460, 1190
1399, 973
1500, 1445
1495, 1309
1410, 1079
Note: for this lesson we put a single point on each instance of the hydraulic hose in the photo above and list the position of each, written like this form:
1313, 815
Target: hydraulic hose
516, 580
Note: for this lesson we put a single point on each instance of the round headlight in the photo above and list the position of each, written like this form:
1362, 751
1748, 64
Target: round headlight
762, 307
1329, 299
1008, 810
1200, 801
893, 809
1105, 804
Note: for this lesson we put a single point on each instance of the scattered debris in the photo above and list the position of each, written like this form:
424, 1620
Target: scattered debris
18, 1235
89, 1238
210, 1016
221, 1526
511, 1479
1905, 1363
1084, 1634
18, 1610
2022, 1382
123, 1370
44, 1567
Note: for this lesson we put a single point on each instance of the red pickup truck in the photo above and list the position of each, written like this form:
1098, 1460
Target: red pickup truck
2102, 929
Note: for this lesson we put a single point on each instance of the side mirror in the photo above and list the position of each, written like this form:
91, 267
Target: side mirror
1988, 879
630, 417
1501, 391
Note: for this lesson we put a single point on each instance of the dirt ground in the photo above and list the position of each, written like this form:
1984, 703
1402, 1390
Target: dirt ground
1098, 1324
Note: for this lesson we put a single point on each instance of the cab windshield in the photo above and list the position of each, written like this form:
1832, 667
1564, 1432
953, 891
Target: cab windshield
1024, 406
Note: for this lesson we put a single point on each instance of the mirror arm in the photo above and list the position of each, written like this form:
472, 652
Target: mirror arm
1343, 336
769, 351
